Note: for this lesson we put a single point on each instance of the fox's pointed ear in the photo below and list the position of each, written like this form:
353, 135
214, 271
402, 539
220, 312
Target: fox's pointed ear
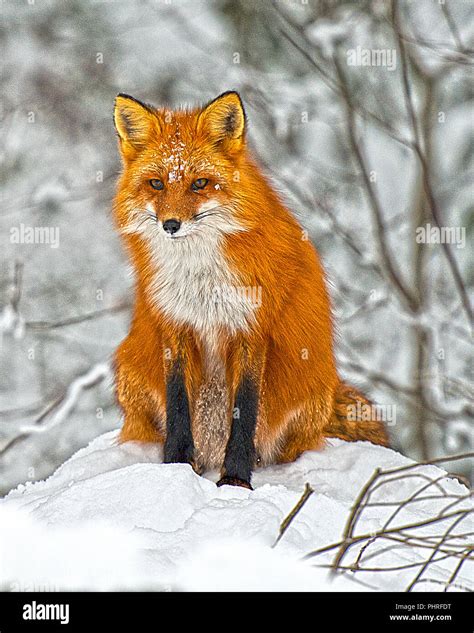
133, 122
224, 119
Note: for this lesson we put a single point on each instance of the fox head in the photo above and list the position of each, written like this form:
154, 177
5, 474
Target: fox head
181, 168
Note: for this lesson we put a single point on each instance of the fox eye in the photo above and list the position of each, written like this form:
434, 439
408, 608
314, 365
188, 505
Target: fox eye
156, 184
200, 183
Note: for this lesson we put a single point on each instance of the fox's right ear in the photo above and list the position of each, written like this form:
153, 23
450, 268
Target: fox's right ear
133, 122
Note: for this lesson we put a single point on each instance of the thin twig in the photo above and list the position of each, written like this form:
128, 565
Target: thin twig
348, 538
308, 491
363, 537
88, 316
456, 571
428, 462
431, 558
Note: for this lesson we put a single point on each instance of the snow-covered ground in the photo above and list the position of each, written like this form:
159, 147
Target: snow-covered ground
114, 517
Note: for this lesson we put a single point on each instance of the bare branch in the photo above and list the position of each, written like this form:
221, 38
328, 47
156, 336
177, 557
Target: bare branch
97, 314
435, 211
452, 27
386, 259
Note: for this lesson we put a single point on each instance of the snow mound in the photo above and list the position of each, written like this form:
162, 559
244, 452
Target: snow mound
114, 517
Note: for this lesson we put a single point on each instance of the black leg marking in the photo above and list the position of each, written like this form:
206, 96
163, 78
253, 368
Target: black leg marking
179, 445
240, 452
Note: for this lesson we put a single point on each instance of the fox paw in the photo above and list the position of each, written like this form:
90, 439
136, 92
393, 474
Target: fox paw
234, 481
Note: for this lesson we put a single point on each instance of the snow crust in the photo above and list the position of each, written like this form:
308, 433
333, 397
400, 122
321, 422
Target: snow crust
115, 517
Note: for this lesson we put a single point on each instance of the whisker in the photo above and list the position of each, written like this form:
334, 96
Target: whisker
147, 217
134, 227
203, 215
207, 211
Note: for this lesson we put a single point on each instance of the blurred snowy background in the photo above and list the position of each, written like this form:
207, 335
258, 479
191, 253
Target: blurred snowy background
362, 114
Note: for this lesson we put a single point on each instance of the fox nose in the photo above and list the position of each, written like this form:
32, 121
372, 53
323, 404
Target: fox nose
171, 226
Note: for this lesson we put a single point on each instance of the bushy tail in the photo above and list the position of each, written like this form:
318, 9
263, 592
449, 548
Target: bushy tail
353, 418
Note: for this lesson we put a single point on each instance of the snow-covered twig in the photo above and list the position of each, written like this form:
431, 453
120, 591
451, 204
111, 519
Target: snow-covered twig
299, 40
58, 410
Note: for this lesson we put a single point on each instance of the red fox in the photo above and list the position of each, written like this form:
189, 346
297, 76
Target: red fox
229, 360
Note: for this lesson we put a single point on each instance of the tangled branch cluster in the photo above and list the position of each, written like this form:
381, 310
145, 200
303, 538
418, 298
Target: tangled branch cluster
452, 543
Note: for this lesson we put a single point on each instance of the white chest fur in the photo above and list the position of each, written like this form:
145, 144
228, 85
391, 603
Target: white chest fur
193, 284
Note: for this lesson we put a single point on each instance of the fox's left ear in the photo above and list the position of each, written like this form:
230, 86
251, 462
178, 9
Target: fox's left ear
224, 119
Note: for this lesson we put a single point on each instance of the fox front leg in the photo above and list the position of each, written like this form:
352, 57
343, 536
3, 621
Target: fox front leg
179, 445
240, 452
